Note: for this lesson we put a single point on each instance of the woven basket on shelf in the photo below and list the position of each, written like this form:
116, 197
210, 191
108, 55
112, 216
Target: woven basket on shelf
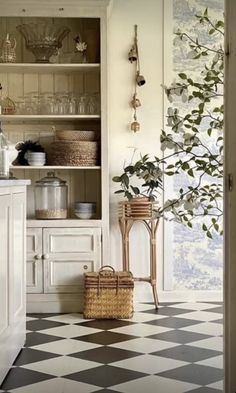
76, 135
108, 294
74, 153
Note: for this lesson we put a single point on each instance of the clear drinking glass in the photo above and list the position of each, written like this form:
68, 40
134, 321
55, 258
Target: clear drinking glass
58, 107
82, 105
50, 105
25, 105
91, 104
20, 107
71, 105
32, 103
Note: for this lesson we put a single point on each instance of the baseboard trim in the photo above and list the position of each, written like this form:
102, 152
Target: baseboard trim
54, 303
145, 295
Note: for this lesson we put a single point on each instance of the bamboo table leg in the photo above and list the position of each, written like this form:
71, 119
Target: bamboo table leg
152, 233
125, 227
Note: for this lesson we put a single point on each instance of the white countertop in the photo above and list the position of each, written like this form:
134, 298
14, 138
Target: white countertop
14, 182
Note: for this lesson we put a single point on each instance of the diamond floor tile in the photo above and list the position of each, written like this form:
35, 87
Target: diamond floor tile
35, 338
106, 324
106, 376
168, 311
216, 309
149, 364
30, 355
197, 306
105, 338
106, 354
173, 322
178, 336
61, 366
143, 344
194, 373
154, 384
18, 377
58, 385
217, 361
210, 343
70, 331
67, 318
66, 346
141, 329
41, 324
201, 316
140, 317
187, 353
211, 328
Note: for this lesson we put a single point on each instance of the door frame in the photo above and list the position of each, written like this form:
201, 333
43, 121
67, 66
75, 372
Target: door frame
230, 201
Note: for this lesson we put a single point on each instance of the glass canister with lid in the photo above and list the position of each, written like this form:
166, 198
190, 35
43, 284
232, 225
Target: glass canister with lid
51, 198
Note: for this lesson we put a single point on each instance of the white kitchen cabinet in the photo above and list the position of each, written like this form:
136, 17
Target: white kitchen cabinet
57, 259
54, 284
34, 265
12, 274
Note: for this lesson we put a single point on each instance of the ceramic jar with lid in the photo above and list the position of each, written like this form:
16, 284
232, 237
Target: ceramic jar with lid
51, 194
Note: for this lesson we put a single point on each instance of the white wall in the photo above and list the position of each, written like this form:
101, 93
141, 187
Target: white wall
155, 25
148, 15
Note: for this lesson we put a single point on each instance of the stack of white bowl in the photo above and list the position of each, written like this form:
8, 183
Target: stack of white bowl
36, 158
85, 210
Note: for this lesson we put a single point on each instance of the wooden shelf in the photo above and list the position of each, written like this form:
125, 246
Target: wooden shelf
36, 68
48, 117
48, 167
68, 223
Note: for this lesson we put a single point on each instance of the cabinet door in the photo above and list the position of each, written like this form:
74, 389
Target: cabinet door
68, 253
34, 265
5, 329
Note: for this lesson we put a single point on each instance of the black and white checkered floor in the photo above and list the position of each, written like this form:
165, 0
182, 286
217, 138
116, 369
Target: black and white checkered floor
175, 349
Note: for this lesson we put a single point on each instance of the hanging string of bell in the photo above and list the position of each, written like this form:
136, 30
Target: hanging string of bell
139, 80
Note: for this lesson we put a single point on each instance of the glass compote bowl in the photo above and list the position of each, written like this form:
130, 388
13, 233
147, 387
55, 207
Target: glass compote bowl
43, 39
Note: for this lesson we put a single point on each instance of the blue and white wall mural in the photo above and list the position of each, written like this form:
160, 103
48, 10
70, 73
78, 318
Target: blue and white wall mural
197, 261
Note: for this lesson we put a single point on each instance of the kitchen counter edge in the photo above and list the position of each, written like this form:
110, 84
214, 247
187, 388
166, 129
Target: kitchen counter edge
14, 182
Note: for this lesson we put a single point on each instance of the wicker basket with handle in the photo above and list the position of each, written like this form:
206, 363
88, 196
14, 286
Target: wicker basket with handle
108, 294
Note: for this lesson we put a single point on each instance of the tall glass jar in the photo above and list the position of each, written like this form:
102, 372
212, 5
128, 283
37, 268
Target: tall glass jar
51, 198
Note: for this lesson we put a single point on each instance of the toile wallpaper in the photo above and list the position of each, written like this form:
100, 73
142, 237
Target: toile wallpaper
197, 261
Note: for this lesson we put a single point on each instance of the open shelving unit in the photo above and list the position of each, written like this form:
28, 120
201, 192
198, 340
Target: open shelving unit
60, 250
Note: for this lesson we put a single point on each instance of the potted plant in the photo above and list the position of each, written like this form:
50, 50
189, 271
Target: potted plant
140, 183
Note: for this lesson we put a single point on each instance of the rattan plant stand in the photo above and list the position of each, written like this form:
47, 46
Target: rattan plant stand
129, 213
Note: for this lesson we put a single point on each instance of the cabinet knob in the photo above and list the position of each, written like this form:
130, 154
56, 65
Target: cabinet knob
45, 256
37, 257
85, 267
